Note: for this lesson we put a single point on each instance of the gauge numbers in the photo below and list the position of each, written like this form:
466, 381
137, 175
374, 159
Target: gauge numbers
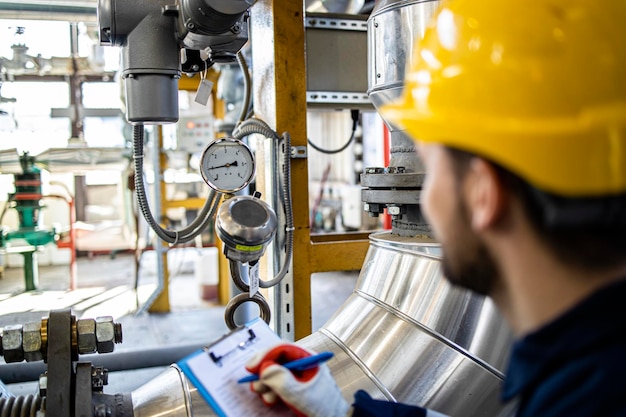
227, 165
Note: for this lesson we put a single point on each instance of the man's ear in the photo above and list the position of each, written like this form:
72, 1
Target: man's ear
485, 194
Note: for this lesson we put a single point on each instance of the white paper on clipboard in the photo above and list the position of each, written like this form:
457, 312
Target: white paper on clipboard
214, 371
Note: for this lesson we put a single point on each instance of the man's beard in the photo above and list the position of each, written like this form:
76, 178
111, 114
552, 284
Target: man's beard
467, 262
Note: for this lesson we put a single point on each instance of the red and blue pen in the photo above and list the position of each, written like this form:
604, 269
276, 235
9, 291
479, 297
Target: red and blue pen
297, 365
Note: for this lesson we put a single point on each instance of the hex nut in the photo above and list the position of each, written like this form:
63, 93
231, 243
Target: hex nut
105, 334
99, 378
12, 343
86, 333
32, 342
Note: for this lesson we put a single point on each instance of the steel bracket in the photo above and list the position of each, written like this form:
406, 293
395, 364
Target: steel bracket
299, 152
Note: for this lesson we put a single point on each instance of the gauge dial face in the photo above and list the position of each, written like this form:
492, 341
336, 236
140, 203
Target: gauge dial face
227, 165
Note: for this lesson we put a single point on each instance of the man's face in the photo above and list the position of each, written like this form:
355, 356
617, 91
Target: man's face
467, 262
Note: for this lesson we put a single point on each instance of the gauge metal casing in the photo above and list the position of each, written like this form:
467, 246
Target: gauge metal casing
227, 165
246, 225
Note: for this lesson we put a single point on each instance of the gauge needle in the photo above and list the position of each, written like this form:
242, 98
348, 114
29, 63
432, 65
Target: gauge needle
232, 164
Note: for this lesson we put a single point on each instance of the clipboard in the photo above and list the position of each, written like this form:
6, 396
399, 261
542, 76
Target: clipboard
215, 370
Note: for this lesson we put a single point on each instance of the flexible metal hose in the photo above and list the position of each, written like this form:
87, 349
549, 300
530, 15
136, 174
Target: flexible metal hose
236, 301
247, 87
252, 126
256, 126
170, 236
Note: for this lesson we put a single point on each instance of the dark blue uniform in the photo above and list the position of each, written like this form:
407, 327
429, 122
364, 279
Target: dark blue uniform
574, 366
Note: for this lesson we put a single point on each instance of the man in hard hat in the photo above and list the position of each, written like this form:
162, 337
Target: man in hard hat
519, 111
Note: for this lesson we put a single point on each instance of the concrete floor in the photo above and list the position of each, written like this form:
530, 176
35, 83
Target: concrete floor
106, 288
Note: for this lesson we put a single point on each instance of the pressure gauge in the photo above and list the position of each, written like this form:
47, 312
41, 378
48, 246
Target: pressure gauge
227, 165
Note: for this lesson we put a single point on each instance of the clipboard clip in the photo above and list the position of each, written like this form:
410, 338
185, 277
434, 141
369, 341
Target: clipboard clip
217, 359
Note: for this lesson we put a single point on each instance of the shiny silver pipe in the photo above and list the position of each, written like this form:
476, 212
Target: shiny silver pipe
170, 394
405, 334
392, 29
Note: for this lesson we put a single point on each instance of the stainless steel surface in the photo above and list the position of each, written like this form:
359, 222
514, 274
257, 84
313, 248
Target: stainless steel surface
167, 395
246, 225
415, 287
393, 27
407, 335
170, 394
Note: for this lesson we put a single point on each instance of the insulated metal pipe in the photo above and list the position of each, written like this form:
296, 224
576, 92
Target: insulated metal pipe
405, 334
12, 373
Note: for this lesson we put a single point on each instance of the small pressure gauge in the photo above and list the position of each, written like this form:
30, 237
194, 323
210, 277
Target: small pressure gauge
227, 165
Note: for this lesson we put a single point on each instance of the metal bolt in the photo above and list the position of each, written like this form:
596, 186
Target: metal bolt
374, 170
12, 343
396, 170
396, 211
86, 329
117, 330
373, 209
99, 378
105, 334
43, 385
31, 343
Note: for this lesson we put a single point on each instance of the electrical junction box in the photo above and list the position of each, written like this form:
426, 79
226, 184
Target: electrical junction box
194, 133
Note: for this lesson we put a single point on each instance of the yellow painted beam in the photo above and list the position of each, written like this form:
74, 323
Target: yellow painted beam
188, 203
338, 255
279, 77
280, 100
162, 303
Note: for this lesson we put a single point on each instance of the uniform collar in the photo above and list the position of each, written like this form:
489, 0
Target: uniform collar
566, 338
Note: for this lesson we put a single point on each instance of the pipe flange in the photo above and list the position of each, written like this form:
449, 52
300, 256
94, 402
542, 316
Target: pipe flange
235, 302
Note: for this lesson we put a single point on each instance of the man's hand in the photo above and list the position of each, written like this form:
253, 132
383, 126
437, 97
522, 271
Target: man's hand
312, 392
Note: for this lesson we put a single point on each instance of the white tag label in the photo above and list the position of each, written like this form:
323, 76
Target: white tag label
204, 92
253, 276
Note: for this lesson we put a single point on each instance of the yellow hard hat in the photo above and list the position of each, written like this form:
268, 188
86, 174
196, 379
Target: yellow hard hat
537, 86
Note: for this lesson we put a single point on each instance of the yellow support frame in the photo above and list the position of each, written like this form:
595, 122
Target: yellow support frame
279, 77
161, 304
